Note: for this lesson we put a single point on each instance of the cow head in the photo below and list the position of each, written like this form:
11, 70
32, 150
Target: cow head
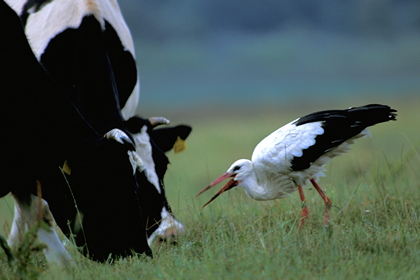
151, 145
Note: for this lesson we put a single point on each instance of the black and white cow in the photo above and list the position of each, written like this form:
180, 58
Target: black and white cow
82, 43
43, 134
84, 55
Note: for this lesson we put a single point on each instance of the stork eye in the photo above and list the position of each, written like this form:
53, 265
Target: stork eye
236, 168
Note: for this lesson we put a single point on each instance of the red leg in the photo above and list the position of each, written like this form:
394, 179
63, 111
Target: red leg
327, 202
305, 211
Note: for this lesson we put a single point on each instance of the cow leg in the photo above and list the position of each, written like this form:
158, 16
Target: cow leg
55, 252
29, 213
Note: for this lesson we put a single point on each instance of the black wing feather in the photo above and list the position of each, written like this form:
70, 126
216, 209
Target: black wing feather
339, 126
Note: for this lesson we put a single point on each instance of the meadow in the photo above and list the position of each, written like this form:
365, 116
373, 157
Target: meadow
374, 230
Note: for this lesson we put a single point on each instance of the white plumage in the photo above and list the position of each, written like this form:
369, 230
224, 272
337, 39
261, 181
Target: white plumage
296, 153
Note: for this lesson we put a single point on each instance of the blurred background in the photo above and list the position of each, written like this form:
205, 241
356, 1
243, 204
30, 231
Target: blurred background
196, 56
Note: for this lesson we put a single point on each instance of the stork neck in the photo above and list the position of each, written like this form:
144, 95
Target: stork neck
256, 187
252, 186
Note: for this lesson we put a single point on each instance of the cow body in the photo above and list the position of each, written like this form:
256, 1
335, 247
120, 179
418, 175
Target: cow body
86, 48
89, 52
38, 112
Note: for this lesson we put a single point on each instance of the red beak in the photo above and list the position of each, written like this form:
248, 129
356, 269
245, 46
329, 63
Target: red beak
232, 183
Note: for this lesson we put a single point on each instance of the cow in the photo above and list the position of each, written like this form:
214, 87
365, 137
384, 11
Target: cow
45, 138
79, 43
88, 44
90, 41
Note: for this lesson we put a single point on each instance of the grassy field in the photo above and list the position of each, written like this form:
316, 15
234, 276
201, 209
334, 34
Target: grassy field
374, 232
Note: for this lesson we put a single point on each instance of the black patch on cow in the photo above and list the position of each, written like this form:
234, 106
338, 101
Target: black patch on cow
136, 124
339, 126
123, 64
97, 73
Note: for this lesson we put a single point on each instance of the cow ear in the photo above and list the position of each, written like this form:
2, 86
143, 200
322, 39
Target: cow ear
179, 145
171, 138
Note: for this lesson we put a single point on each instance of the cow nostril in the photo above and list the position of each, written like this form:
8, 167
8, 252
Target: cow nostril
170, 236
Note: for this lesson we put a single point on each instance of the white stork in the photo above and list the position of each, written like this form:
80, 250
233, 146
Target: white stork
296, 153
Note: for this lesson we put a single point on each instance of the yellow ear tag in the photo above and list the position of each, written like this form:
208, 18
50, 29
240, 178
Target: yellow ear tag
179, 145
66, 168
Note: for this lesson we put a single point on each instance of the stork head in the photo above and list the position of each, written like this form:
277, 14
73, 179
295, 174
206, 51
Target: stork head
238, 172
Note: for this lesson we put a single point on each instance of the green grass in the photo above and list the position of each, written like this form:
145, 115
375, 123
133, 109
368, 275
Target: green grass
374, 232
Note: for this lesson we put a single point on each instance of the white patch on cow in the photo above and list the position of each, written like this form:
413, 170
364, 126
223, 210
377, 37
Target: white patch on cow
58, 15
144, 151
17, 6
168, 221
19, 227
26, 217
51, 20
55, 252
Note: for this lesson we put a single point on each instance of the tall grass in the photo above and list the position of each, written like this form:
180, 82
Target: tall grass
374, 231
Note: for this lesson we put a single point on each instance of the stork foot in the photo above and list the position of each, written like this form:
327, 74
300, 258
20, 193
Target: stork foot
304, 215
305, 210
327, 202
